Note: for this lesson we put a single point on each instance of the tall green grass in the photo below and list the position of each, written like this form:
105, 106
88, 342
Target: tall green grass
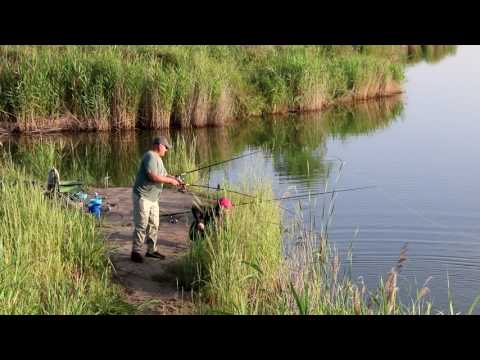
125, 87
251, 264
53, 258
236, 265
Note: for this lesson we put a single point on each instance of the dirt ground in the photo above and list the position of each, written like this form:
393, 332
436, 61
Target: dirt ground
148, 284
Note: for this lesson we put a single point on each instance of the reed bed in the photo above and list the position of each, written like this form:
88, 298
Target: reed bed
53, 258
155, 87
252, 264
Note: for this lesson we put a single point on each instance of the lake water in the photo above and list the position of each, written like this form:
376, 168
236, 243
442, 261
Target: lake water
420, 150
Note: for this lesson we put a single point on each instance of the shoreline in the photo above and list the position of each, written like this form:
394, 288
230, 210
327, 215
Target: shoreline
70, 124
151, 285
90, 88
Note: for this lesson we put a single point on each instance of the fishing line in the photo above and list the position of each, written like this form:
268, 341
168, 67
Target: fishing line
220, 189
219, 163
295, 197
416, 212
237, 192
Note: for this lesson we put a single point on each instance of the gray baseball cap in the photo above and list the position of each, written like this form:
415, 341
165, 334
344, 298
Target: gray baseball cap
162, 140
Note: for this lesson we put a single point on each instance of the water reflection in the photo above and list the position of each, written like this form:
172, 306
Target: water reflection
296, 143
429, 53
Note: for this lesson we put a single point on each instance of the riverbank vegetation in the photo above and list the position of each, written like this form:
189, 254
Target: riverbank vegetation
126, 87
252, 264
53, 258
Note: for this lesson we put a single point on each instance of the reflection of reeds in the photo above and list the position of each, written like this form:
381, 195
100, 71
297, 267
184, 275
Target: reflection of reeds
296, 142
429, 53
93, 157
362, 117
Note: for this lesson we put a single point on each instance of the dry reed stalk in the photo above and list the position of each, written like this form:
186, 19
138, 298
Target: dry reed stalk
222, 111
375, 89
99, 122
392, 87
313, 100
116, 110
144, 110
335, 267
200, 107
346, 98
182, 113
122, 119
402, 259
279, 109
391, 290
424, 291
153, 114
158, 116
161, 117
356, 301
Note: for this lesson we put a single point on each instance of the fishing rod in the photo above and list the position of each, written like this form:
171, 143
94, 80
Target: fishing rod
220, 189
207, 187
288, 198
232, 191
217, 163
177, 213
312, 194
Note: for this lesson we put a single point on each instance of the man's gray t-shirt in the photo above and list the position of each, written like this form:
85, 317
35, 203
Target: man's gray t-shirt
143, 186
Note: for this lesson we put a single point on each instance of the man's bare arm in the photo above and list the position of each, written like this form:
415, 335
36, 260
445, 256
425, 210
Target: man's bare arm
163, 179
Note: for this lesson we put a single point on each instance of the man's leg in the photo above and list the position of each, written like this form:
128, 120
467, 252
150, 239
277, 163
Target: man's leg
140, 219
152, 230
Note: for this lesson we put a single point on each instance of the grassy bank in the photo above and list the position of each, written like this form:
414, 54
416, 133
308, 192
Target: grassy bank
54, 261
253, 266
235, 268
53, 258
125, 87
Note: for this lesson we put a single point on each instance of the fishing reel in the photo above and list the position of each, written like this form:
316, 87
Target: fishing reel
183, 185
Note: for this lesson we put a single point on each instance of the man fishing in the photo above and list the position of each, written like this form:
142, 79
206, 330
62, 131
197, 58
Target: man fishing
146, 195
207, 216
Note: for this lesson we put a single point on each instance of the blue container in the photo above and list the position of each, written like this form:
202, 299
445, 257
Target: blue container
95, 206
96, 210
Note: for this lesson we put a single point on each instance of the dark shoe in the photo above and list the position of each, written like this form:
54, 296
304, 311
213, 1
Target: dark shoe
136, 257
155, 255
